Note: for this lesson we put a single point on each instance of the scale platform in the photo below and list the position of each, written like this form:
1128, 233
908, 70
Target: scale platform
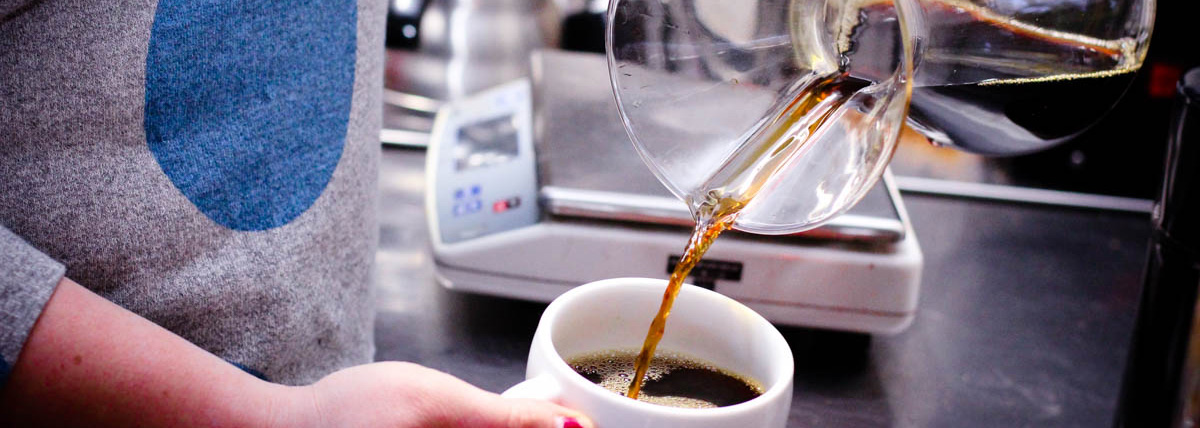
534, 188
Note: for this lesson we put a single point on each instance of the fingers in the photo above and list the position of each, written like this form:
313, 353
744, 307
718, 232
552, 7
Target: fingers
528, 413
408, 395
482, 409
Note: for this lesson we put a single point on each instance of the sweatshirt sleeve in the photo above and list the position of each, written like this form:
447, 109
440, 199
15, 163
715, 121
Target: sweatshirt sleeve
27, 279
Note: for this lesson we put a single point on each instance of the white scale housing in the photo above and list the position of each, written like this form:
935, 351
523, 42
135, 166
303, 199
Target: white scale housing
534, 188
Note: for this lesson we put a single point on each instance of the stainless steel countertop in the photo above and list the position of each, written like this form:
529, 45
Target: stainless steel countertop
1024, 320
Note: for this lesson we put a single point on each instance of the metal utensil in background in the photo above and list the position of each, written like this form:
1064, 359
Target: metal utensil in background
440, 50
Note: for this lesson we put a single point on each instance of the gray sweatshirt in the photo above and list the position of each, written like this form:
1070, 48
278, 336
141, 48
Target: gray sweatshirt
210, 166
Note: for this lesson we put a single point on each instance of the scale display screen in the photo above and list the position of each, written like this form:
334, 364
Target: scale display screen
481, 160
486, 143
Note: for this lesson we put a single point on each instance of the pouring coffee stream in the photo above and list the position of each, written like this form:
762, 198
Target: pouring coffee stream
707, 228
740, 178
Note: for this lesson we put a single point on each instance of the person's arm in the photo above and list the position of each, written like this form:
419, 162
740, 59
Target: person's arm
90, 362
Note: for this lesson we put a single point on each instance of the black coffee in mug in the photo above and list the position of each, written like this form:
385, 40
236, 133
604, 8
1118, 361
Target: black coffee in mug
672, 380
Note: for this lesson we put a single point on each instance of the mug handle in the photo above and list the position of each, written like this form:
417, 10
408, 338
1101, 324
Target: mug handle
541, 387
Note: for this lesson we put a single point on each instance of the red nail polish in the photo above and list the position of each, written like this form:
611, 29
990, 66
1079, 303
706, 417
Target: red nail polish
569, 422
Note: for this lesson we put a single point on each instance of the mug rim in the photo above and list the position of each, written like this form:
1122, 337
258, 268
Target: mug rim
780, 385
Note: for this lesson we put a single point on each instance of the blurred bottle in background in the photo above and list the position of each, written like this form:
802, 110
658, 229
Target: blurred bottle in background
1161, 387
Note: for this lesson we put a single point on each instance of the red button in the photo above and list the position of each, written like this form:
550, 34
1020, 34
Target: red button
1163, 78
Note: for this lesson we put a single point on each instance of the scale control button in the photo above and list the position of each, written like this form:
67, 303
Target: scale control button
467, 203
465, 208
506, 204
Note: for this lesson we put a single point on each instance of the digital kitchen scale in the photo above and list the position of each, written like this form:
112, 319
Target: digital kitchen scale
534, 188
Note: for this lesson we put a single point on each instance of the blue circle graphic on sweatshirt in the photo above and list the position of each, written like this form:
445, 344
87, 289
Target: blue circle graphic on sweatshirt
247, 103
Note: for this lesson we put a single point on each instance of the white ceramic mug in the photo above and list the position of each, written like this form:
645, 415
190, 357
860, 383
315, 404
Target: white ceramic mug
614, 314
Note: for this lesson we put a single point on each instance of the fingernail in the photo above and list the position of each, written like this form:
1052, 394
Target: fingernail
568, 422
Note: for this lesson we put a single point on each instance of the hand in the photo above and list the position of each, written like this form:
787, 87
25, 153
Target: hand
394, 394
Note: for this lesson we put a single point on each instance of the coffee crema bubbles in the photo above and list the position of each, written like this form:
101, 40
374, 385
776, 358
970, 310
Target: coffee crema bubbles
672, 380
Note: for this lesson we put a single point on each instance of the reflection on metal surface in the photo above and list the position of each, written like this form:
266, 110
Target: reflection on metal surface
404, 138
411, 101
1030, 195
638, 208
